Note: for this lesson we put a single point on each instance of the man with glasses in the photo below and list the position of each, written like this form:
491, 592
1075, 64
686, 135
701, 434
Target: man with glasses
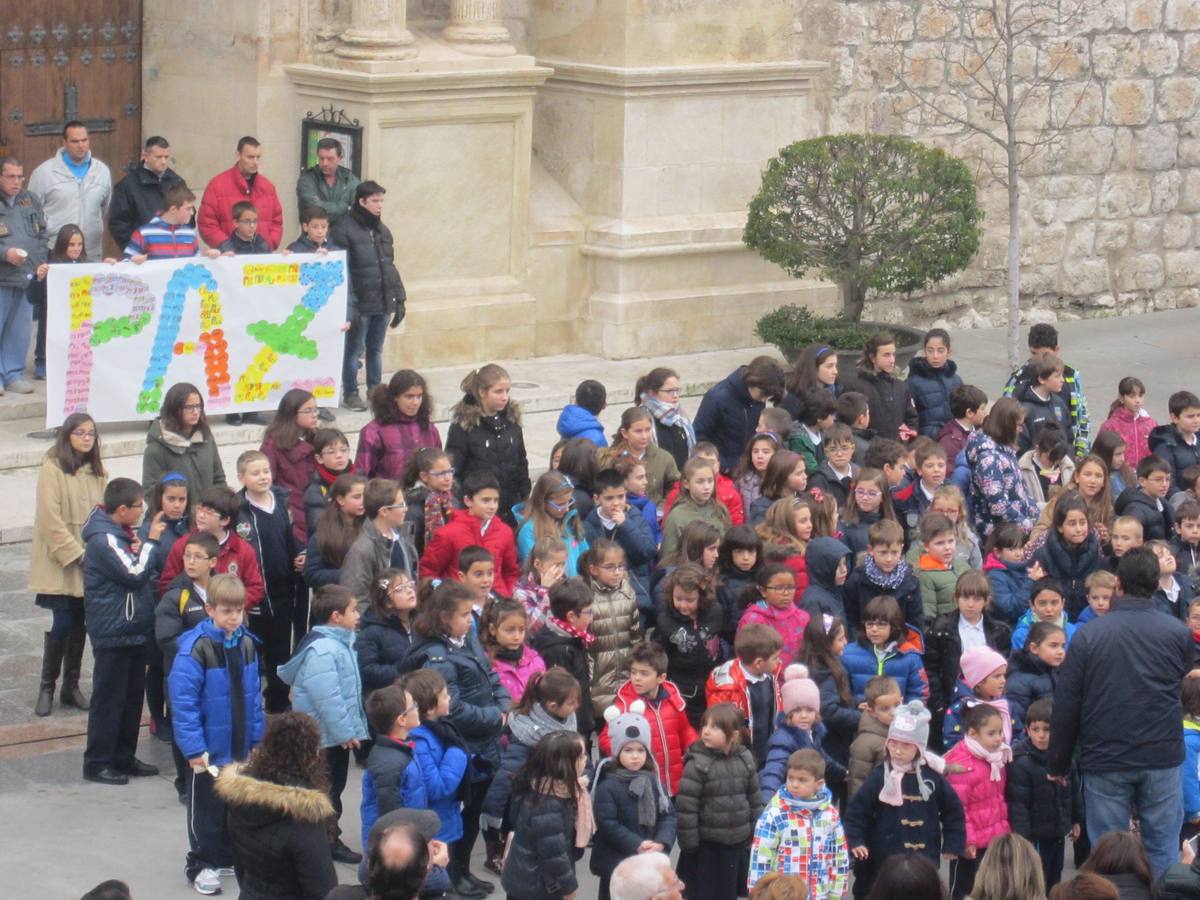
75, 189
22, 250
646, 876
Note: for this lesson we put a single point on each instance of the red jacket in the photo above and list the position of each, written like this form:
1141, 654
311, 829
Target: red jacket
215, 220
670, 731
294, 470
235, 557
440, 559
727, 684
727, 495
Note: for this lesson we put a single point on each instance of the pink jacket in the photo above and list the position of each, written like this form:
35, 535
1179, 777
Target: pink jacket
383, 450
1134, 432
514, 676
790, 623
982, 798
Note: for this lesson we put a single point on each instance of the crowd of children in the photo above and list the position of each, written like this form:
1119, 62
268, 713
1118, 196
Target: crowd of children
750, 643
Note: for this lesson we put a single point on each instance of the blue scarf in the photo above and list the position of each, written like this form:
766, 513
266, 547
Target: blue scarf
669, 414
232, 640
883, 579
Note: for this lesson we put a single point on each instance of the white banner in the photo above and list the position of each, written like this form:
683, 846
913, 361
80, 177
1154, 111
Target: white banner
243, 329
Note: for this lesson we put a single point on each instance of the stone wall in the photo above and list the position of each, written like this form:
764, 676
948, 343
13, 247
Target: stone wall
1110, 209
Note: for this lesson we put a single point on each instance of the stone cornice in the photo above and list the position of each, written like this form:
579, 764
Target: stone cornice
425, 79
713, 78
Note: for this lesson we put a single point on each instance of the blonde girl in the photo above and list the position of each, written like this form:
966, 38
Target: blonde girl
949, 501
786, 532
485, 435
635, 438
868, 503
551, 513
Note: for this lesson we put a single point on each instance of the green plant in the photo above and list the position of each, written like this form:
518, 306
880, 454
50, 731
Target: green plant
869, 212
792, 327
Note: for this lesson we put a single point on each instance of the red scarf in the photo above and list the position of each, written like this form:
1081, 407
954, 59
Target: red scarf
330, 477
584, 636
437, 508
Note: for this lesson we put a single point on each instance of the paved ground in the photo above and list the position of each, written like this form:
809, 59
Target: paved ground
62, 835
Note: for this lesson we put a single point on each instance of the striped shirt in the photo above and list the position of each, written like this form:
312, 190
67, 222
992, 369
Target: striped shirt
159, 240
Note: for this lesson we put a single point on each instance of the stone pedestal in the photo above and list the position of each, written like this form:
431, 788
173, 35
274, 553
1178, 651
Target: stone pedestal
452, 144
377, 34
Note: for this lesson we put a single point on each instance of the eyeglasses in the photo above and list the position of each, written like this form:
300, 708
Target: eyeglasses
83, 435
670, 392
397, 506
560, 507
196, 557
307, 411
192, 407
137, 505
612, 567
877, 623
441, 473
780, 588
867, 494
402, 587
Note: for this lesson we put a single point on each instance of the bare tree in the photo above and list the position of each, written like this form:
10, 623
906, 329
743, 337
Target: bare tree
1014, 72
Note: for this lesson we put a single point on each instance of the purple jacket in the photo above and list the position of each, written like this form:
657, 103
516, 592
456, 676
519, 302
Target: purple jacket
383, 450
515, 676
292, 469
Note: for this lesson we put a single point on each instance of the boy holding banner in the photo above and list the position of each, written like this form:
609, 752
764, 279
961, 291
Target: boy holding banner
169, 235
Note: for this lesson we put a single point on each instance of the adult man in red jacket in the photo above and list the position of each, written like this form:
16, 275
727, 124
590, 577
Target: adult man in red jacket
241, 182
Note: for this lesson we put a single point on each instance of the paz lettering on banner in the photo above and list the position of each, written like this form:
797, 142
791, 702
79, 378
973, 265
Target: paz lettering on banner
243, 329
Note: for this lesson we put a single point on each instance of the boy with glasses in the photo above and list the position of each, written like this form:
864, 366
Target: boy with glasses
382, 544
216, 508
245, 238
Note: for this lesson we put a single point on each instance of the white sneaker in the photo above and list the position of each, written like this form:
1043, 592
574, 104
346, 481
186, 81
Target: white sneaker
226, 872
21, 386
207, 881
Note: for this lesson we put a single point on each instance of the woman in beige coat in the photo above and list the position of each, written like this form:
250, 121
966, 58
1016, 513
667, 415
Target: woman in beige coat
70, 485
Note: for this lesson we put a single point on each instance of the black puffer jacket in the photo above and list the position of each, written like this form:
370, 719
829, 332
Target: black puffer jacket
1180, 882
1166, 442
382, 645
718, 799
1038, 808
1157, 524
477, 698
888, 398
136, 199
371, 259
618, 833
496, 444
279, 837
1071, 566
541, 859
558, 648
930, 390
1029, 679
943, 650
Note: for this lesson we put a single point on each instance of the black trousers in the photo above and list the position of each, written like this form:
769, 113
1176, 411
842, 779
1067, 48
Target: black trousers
274, 629
118, 683
299, 612
711, 872
962, 874
460, 850
155, 682
1053, 853
337, 764
208, 838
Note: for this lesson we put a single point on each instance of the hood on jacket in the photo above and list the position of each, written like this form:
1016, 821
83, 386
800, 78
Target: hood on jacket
993, 562
737, 386
1025, 394
1135, 496
821, 802
920, 367
176, 443
289, 670
1165, 436
100, 522
1024, 661
574, 420
267, 801
467, 414
822, 557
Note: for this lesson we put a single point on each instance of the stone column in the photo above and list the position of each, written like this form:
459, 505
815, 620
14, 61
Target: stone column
475, 27
377, 32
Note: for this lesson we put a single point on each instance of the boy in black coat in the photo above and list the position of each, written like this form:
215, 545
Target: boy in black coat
1041, 398
1040, 810
1176, 443
883, 571
1148, 501
564, 642
265, 524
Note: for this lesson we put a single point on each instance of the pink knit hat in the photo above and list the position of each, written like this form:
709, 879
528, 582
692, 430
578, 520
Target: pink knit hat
799, 691
978, 663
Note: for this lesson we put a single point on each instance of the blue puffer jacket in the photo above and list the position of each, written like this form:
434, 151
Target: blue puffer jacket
392, 780
477, 698
785, 740
728, 417
118, 594
902, 663
575, 421
209, 684
382, 644
326, 685
443, 763
1010, 588
930, 389
618, 832
574, 546
640, 548
649, 512
1071, 566
1191, 765
1029, 679
823, 593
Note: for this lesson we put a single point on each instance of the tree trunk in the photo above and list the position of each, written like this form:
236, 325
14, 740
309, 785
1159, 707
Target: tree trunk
854, 298
1014, 261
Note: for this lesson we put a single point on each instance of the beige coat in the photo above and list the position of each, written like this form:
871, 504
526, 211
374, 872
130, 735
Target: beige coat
63, 504
617, 627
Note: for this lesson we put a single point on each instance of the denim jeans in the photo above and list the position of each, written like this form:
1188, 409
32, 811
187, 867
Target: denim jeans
1109, 799
16, 327
366, 333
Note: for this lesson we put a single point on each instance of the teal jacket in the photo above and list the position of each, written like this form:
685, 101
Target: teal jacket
575, 547
326, 684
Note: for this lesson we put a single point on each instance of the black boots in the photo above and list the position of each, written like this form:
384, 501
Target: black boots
72, 660
52, 657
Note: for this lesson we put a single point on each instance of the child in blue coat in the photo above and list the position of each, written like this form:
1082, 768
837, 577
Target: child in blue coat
392, 780
441, 753
218, 718
1191, 761
1045, 605
579, 419
1008, 573
326, 685
886, 646
798, 727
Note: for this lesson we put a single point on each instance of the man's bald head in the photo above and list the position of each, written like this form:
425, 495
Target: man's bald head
397, 863
644, 876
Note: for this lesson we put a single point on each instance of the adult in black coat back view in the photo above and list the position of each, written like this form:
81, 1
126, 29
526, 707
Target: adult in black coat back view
1118, 699
728, 414
887, 396
138, 197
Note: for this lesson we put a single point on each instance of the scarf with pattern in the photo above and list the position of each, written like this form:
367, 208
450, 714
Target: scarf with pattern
669, 414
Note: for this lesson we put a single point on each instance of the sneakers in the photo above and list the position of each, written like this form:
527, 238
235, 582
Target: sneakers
21, 386
207, 882
350, 401
343, 854
226, 872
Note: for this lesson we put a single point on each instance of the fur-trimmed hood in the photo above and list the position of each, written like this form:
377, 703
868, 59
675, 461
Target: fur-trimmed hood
238, 789
467, 414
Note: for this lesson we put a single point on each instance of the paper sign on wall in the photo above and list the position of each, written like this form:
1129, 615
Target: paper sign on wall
243, 329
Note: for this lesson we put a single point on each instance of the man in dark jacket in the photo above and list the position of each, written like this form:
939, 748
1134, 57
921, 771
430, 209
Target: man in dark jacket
1118, 698
22, 250
138, 197
328, 185
378, 290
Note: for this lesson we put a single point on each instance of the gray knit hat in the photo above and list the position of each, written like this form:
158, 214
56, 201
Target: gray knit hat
911, 725
624, 727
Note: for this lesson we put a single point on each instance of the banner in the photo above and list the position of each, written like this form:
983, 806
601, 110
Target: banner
243, 329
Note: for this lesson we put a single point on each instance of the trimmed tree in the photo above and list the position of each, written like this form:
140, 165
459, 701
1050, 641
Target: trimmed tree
868, 212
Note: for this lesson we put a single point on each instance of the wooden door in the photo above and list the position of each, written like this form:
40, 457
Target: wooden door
66, 59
